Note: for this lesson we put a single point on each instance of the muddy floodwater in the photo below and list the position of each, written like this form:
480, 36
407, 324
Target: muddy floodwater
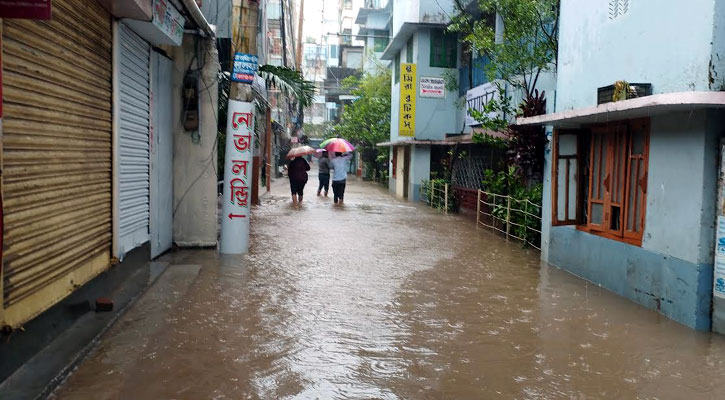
383, 299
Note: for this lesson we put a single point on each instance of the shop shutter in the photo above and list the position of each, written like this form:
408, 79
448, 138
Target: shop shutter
56, 155
134, 141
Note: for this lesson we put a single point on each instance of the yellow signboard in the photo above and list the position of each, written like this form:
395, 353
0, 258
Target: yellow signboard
406, 126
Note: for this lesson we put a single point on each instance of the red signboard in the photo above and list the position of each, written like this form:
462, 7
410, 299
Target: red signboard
27, 9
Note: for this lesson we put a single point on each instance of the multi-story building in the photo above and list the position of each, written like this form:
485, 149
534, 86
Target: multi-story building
374, 27
279, 49
420, 40
631, 199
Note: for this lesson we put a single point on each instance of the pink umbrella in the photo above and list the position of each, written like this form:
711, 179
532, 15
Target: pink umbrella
338, 145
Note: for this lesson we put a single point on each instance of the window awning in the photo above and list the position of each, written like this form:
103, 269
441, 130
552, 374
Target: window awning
401, 37
462, 139
648, 106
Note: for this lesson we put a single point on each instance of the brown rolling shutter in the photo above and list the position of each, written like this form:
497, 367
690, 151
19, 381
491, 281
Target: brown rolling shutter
56, 155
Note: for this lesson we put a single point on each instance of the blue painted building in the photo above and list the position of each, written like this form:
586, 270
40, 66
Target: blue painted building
630, 188
419, 37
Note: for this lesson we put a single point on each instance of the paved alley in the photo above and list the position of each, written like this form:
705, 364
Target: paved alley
386, 299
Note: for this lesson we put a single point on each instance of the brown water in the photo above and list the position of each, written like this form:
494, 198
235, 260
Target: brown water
384, 299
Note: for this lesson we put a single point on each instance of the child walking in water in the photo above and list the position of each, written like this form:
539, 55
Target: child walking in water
297, 172
339, 178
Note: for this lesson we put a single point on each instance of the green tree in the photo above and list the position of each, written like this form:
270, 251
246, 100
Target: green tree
527, 46
366, 121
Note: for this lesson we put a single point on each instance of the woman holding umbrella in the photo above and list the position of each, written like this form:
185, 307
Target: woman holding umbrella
342, 149
297, 171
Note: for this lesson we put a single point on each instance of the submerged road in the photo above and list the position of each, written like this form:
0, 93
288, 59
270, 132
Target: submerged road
383, 299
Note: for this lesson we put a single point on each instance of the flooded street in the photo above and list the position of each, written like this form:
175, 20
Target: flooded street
385, 299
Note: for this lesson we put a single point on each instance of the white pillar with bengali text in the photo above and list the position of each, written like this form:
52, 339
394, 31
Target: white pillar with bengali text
237, 193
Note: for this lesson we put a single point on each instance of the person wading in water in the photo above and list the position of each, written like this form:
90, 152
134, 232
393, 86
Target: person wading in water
324, 173
339, 178
297, 172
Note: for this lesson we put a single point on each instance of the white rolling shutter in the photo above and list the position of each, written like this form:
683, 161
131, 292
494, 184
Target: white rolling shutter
133, 152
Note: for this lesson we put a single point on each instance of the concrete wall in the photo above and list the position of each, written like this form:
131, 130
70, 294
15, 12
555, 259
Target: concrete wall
436, 11
672, 270
717, 63
434, 118
195, 201
663, 42
377, 20
419, 170
399, 167
404, 11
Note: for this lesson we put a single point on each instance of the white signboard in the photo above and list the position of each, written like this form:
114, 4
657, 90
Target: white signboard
719, 277
478, 97
237, 194
432, 87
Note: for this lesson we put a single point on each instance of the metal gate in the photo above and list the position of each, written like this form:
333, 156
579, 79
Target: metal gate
133, 150
162, 150
56, 155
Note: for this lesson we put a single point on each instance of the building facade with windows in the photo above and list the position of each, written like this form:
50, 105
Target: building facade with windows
374, 24
419, 38
630, 189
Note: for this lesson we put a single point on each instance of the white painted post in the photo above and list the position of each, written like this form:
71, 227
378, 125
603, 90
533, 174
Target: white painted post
445, 202
236, 196
508, 216
478, 209
526, 221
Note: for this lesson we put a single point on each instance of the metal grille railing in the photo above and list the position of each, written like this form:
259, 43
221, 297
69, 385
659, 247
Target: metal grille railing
436, 195
514, 218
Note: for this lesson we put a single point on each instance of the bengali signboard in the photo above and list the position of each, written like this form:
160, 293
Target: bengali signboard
245, 66
406, 126
477, 98
26, 9
168, 20
237, 190
432, 87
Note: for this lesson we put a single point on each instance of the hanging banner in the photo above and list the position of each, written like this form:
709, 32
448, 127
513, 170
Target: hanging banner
236, 196
477, 99
406, 123
27, 9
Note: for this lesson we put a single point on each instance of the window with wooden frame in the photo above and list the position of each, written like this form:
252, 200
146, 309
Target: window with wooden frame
599, 179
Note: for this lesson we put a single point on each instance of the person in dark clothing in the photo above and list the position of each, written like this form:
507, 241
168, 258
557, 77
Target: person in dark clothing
324, 174
297, 172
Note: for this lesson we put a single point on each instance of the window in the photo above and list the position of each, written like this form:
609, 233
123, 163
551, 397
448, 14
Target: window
599, 179
348, 4
379, 44
396, 66
347, 36
277, 46
333, 51
409, 51
443, 49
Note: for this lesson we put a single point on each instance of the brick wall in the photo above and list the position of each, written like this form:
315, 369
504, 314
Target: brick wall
466, 198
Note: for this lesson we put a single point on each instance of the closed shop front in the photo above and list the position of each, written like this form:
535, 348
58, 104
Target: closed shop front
133, 150
56, 155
